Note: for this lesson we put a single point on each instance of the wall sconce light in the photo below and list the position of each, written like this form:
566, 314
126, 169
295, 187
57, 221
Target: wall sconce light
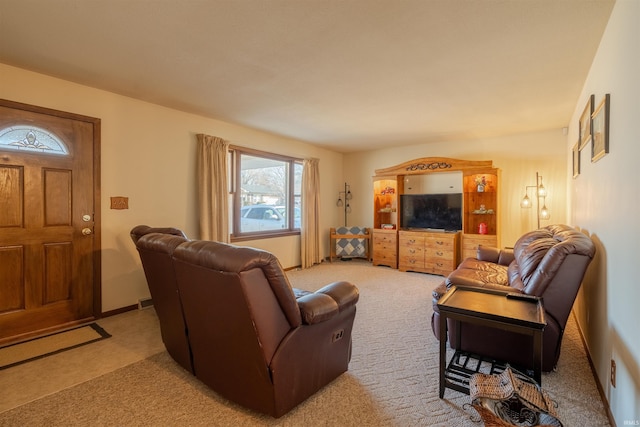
540, 193
347, 196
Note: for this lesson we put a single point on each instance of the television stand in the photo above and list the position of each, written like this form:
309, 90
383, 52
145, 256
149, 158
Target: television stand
429, 230
433, 252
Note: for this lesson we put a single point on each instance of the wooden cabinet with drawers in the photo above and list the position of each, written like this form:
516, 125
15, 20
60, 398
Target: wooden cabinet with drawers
385, 247
426, 252
470, 243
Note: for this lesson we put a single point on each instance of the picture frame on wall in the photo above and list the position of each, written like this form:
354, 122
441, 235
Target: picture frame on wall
600, 129
585, 124
576, 159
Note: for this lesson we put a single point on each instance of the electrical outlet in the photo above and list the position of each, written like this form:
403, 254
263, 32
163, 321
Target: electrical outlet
337, 335
613, 372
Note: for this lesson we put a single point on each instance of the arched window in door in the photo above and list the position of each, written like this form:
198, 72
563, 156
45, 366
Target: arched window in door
31, 138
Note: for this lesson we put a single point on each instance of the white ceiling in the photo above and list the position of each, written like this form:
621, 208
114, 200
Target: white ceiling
345, 74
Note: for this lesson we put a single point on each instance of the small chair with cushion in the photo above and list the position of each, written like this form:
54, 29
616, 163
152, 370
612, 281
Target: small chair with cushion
350, 242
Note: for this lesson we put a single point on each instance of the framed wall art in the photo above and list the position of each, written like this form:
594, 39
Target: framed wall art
585, 123
600, 129
576, 159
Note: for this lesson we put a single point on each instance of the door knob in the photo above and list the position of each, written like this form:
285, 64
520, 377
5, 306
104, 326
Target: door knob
86, 231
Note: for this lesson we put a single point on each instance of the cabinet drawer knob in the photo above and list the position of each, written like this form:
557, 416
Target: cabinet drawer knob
439, 242
439, 253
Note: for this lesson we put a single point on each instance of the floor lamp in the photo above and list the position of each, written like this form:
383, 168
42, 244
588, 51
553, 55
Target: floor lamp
347, 196
540, 193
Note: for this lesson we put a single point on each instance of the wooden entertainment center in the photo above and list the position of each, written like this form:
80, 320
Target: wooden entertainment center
434, 251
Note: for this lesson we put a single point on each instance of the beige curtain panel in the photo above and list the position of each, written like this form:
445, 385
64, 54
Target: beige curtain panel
213, 188
310, 228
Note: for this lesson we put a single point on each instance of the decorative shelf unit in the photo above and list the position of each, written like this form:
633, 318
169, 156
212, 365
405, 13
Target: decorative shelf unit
479, 207
385, 202
385, 221
480, 204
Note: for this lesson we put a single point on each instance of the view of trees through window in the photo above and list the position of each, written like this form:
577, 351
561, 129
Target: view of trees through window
267, 193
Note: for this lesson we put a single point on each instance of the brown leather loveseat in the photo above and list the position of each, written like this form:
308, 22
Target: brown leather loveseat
252, 337
549, 263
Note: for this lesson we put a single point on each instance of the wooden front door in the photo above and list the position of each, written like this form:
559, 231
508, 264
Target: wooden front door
49, 220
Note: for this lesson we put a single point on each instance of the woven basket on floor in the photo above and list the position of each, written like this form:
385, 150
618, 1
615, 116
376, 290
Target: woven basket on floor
504, 400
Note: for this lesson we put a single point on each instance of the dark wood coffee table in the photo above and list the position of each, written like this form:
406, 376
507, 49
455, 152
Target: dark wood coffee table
511, 312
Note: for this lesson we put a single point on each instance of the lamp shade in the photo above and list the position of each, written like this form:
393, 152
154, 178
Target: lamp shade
544, 212
542, 192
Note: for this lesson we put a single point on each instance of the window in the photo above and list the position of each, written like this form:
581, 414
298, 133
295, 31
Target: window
30, 138
266, 194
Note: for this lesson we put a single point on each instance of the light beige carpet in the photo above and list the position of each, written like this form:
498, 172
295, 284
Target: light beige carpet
392, 379
54, 343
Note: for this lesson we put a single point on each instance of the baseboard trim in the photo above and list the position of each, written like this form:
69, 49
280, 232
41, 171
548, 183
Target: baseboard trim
603, 396
120, 310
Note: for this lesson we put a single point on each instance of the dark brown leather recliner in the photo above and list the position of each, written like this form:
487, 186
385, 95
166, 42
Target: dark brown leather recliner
549, 263
253, 338
156, 256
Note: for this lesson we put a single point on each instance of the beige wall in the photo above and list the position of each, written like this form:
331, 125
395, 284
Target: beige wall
148, 155
517, 156
602, 200
605, 205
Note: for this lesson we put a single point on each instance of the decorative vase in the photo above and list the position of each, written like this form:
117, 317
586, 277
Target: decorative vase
480, 188
482, 228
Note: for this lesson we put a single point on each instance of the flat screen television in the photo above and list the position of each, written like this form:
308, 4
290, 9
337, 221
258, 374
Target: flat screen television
431, 211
